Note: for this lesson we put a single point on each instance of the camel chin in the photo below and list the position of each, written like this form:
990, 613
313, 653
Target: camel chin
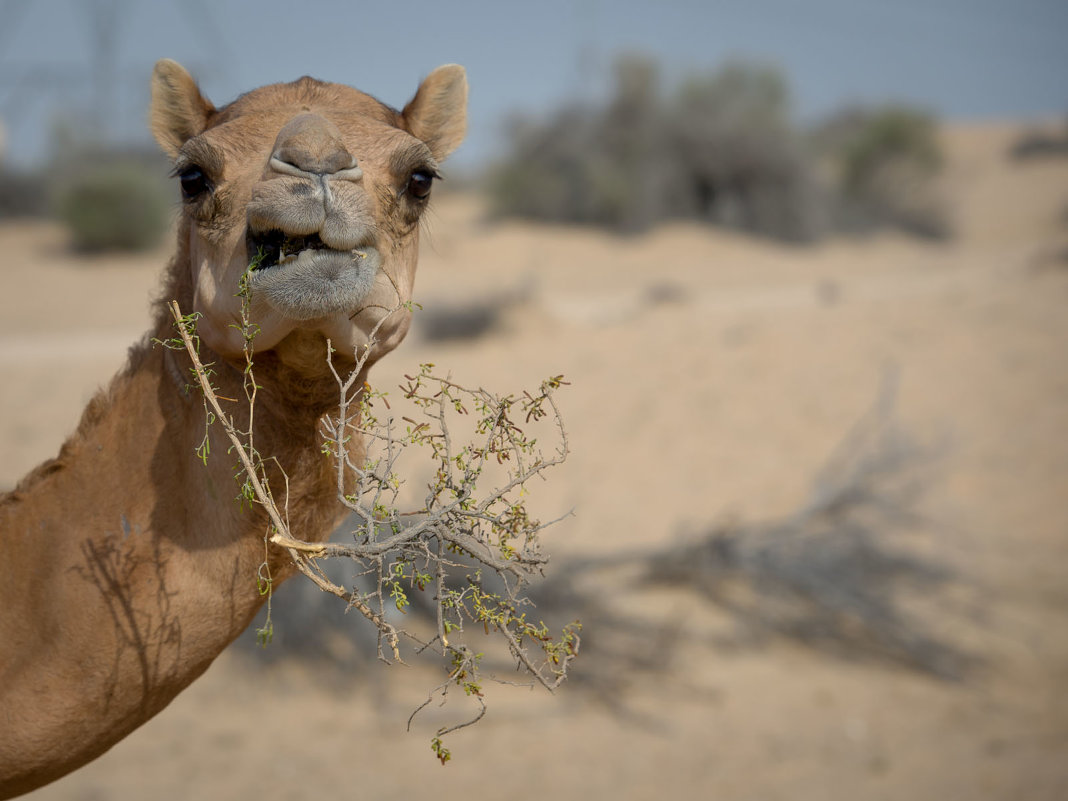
338, 296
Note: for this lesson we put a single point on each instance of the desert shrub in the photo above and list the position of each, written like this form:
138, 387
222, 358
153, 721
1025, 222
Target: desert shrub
720, 147
883, 166
589, 166
549, 173
117, 205
740, 162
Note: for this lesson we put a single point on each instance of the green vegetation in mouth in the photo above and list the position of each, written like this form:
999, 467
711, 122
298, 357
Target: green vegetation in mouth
275, 248
278, 247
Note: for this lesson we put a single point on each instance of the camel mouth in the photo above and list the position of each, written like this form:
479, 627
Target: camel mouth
303, 278
273, 248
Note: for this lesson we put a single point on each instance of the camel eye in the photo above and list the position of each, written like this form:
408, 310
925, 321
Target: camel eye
194, 182
419, 184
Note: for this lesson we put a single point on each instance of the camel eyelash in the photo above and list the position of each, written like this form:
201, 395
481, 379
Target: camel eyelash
420, 182
194, 181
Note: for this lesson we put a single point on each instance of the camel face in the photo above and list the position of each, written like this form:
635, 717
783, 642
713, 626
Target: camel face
319, 188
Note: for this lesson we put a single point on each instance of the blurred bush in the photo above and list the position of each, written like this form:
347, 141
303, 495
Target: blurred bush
601, 166
119, 203
742, 165
883, 165
109, 199
720, 148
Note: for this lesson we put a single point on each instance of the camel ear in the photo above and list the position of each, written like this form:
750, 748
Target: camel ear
438, 112
179, 112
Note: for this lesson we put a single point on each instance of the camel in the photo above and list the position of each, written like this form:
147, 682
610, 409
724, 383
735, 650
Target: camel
127, 563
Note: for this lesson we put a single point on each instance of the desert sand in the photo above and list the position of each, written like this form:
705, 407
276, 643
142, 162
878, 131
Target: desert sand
711, 376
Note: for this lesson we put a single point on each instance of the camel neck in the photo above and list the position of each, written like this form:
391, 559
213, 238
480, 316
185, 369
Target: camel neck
136, 557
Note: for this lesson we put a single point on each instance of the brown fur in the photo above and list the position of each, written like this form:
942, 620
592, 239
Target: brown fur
127, 564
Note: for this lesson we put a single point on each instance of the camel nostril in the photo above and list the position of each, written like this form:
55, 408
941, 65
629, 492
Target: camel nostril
316, 163
311, 144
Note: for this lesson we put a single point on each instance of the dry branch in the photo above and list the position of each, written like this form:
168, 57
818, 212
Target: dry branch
462, 528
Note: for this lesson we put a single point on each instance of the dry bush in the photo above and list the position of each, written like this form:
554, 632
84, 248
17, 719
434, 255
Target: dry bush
721, 148
884, 163
603, 166
554, 173
109, 199
466, 551
741, 163
115, 205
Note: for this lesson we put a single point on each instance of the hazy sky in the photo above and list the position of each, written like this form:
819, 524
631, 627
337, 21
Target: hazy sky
962, 58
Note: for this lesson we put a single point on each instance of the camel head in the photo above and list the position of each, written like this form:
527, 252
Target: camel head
320, 188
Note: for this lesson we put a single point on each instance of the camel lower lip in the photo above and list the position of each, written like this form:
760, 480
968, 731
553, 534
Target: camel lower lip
317, 282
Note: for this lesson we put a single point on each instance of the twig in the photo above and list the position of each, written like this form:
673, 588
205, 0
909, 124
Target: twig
490, 528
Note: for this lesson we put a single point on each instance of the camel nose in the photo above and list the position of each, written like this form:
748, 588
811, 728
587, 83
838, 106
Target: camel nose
311, 145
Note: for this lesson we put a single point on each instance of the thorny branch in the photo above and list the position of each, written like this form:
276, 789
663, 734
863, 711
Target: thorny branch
442, 547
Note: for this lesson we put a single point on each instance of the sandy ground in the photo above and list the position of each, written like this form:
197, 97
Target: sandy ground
712, 375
